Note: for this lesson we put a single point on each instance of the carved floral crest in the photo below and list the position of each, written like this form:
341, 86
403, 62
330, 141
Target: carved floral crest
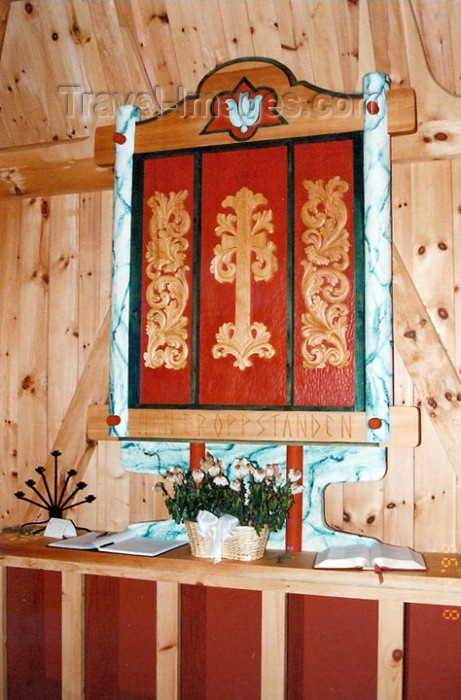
243, 111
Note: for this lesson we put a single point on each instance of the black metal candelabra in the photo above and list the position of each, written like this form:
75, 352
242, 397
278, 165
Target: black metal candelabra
54, 503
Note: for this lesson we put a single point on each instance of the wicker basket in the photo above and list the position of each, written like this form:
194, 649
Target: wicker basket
247, 545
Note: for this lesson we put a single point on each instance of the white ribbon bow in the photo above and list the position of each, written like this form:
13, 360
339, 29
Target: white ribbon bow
217, 529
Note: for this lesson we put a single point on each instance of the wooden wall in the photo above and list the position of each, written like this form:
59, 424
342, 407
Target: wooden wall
55, 239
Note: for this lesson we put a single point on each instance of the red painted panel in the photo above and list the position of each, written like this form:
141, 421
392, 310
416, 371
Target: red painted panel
220, 644
329, 385
264, 382
34, 634
161, 385
120, 638
233, 644
193, 642
433, 652
332, 648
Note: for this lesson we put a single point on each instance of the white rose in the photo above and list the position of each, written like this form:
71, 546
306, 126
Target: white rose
294, 475
198, 476
215, 470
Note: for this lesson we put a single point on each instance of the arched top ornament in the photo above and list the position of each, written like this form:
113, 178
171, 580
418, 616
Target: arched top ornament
265, 94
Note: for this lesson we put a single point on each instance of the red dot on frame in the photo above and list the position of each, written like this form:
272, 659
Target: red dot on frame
372, 107
119, 138
113, 420
375, 423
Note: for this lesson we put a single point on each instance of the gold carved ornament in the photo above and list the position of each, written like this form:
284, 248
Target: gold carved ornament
244, 252
324, 285
168, 291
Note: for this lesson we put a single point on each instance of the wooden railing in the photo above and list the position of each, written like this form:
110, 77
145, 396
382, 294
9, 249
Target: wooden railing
275, 577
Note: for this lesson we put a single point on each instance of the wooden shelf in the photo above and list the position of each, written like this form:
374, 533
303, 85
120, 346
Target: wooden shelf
275, 576
231, 425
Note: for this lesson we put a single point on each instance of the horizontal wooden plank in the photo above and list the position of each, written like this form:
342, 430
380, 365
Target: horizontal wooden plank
287, 427
295, 574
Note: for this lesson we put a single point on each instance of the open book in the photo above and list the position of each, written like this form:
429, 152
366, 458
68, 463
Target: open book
125, 542
361, 556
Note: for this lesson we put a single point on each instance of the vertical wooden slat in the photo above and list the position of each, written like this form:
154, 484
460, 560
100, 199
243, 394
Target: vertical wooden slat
390, 649
456, 214
435, 491
456, 211
33, 338
398, 497
265, 34
10, 215
325, 54
236, 28
273, 645
63, 311
186, 45
389, 45
141, 496
168, 602
89, 245
73, 635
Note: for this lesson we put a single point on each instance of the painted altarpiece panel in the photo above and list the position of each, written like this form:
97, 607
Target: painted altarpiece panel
252, 283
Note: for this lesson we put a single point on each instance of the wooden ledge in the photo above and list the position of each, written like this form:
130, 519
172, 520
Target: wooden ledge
275, 571
286, 427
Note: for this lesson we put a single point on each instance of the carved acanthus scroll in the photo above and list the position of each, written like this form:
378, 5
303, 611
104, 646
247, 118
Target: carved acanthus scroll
325, 286
168, 291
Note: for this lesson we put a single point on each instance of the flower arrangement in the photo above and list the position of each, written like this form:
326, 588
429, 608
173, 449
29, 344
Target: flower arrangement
256, 496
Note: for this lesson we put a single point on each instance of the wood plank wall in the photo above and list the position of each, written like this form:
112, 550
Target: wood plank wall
55, 253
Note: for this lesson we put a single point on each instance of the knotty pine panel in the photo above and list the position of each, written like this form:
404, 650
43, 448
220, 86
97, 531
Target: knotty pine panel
26, 356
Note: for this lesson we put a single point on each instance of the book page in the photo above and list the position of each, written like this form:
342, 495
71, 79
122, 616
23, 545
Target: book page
343, 557
396, 557
87, 541
143, 546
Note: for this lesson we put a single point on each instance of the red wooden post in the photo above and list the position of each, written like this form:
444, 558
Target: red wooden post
197, 452
295, 517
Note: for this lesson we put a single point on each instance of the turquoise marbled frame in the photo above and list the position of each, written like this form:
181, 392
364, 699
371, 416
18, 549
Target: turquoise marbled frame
323, 464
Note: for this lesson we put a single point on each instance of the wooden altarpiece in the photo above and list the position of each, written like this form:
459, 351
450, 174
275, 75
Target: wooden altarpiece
252, 272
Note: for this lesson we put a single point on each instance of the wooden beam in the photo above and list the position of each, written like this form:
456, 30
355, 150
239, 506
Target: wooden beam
307, 112
287, 427
52, 169
427, 362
